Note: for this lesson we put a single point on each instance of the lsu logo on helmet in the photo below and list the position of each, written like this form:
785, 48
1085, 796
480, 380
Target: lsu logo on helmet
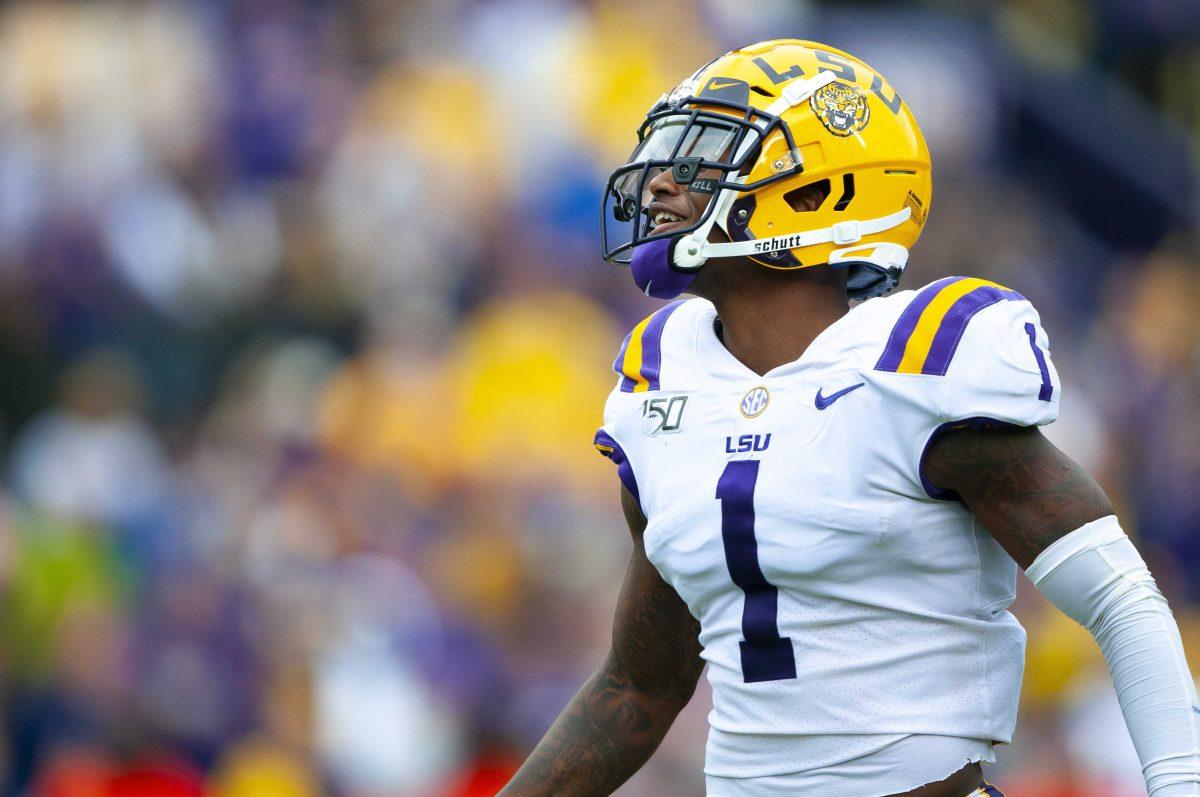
842, 108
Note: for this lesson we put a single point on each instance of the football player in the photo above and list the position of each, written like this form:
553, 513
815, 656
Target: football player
829, 504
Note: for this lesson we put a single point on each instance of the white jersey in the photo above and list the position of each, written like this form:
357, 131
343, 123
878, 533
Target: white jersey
838, 592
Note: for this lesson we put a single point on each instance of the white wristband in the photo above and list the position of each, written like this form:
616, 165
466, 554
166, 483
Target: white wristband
1097, 578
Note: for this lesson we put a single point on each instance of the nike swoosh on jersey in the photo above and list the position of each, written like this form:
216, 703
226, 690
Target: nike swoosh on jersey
713, 85
821, 402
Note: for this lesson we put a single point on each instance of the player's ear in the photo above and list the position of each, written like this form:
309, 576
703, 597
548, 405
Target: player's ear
809, 197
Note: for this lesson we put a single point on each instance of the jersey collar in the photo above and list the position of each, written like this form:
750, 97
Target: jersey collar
712, 354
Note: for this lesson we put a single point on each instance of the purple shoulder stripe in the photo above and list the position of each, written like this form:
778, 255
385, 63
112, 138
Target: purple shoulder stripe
639, 362
610, 448
652, 344
626, 383
954, 324
893, 353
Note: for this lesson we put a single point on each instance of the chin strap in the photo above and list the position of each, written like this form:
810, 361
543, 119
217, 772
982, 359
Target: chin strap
693, 250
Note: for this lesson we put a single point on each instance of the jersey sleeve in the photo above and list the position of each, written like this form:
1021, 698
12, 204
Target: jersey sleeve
607, 441
966, 352
999, 374
1000, 370
642, 370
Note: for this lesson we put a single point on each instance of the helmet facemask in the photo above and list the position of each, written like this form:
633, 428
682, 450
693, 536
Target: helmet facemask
689, 138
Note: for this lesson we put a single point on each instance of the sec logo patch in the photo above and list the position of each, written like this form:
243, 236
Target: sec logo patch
755, 402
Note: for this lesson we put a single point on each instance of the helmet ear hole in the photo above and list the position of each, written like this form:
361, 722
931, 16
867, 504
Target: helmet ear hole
808, 198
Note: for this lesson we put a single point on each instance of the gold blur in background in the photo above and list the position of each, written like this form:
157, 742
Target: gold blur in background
304, 336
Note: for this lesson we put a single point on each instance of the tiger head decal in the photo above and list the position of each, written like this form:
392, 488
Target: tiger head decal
841, 107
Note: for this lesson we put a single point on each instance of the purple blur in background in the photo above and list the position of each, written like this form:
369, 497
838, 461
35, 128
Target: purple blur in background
304, 337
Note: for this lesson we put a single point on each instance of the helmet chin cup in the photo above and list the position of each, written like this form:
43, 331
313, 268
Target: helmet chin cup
654, 270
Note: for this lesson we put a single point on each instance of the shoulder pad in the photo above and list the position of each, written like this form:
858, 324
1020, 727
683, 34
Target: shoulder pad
926, 335
639, 362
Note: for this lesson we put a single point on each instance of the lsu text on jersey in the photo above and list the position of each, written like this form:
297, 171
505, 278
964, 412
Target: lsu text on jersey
840, 594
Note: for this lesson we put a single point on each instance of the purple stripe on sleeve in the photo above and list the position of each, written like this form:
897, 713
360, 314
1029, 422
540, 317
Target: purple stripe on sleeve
893, 353
954, 324
617, 455
626, 383
652, 344
1047, 389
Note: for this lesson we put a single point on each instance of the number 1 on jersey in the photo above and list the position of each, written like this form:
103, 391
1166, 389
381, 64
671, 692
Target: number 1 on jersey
766, 656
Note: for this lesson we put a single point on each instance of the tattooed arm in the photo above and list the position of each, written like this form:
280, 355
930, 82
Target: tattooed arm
1024, 491
617, 719
1058, 525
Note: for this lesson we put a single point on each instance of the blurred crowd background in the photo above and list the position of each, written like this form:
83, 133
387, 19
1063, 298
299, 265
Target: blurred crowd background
304, 335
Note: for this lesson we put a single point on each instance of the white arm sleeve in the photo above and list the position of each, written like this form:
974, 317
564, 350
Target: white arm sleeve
1097, 578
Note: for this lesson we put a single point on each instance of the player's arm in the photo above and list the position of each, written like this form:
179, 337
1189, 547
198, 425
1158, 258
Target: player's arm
617, 719
1024, 491
1058, 525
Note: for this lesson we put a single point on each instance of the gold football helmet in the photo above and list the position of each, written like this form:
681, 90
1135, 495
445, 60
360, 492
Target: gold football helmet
768, 120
